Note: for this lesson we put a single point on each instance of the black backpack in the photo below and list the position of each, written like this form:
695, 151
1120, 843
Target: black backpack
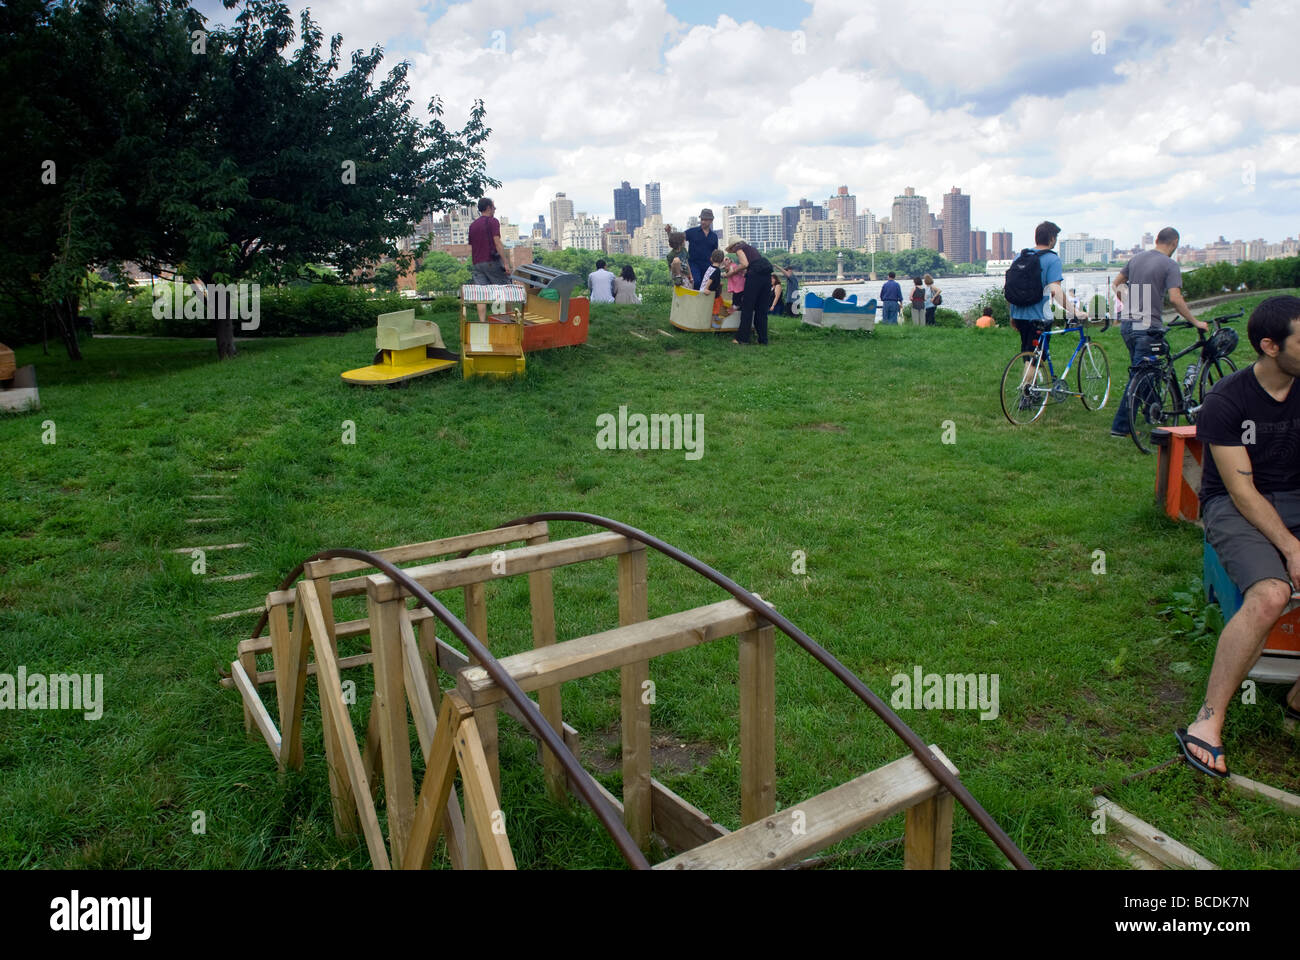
1024, 284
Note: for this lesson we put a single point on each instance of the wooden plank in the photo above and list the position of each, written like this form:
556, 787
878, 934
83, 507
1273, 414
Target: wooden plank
236, 613
827, 818
486, 726
428, 549
219, 546
680, 825
231, 578
481, 799
541, 594
416, 682
1150, 840
291, 688
331, 687
610, 649
927, 834
248, 660
342, 803
436, 787
429, 656
1286, 801
757, 724
634, 687
207, 520
448, 574
389, 706
253, 704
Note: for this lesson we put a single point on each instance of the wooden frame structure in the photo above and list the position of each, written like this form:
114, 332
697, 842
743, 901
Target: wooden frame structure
456, 728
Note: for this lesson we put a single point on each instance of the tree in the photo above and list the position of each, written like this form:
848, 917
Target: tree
441, 272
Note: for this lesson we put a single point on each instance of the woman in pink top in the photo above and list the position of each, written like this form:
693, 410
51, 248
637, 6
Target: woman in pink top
735, 281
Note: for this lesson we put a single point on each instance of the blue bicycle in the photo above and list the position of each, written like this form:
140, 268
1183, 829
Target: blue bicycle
1030, 379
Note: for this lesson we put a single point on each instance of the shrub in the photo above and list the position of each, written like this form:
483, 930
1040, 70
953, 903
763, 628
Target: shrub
943, 317
990, 298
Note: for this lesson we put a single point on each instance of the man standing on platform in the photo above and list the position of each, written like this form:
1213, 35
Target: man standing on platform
891, 297
488, 253
703, 241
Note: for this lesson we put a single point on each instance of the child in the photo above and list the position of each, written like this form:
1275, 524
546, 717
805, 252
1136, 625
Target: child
712, 281
985, 320
735, 282
677, 259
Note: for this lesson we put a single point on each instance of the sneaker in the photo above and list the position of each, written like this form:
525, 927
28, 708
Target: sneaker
1116, 433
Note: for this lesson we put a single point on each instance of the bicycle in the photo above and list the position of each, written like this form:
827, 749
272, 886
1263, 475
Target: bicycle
1157, 396
1027, 386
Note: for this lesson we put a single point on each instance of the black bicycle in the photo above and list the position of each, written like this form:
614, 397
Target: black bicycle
1158, 396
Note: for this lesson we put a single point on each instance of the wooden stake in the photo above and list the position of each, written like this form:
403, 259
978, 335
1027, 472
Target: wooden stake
542, 595
481, 798
476, 621
634, 689
389, 707
757, 724
343, 804
436, 788
927, 834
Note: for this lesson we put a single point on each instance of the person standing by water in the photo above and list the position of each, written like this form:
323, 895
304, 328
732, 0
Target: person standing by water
932, 299
918, 302
757, 295
891, 296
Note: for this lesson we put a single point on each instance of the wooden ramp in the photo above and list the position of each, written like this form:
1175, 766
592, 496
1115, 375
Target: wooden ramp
456, 724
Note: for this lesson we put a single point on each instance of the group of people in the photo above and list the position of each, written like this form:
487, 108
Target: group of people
925, 297
607, 288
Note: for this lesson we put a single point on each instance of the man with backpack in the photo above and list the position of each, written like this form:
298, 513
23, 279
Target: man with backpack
1033, 282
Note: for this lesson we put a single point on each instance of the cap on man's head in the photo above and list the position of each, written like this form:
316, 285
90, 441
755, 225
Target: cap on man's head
706, 214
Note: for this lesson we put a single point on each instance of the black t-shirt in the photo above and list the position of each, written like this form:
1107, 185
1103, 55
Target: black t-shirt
1240, 412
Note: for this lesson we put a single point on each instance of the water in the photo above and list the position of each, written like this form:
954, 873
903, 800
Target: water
960, 293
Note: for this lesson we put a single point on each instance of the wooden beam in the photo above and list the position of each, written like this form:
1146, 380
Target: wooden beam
757, 724
1286, 801
817, 822
253, 705
428, 549
291, 685
927, 834
478, 569
541, 596
332, 687
485, 725
342, 802
609, 650
481, 799
634, 688
389, 705
436, 788
1150, 840
680, 825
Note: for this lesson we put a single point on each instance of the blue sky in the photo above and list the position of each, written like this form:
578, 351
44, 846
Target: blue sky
1109, 118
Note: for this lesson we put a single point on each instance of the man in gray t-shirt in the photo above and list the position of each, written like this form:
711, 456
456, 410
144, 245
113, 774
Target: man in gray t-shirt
1149, 275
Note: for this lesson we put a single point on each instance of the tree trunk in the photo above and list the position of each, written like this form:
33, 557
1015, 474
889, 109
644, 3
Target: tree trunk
65, 312
225, 338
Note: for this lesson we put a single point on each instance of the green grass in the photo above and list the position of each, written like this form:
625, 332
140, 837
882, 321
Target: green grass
974, 556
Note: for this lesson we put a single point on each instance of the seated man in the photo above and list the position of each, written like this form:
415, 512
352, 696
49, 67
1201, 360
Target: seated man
1250, 496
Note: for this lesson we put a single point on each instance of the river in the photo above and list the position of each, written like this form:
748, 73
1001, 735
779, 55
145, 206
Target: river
960, 293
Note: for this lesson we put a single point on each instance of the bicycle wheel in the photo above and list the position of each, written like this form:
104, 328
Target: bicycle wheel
1094, 376
1024, 388
1149, 400
1212, 373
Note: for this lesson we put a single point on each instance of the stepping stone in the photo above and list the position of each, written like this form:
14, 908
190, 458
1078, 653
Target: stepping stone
220, 546
237, 613
215, 476
208, 520
230, 579
641, 335
207, 496
668, 335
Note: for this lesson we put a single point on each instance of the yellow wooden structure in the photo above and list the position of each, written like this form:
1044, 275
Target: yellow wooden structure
455, 720
692, 310
405, 348
493, 347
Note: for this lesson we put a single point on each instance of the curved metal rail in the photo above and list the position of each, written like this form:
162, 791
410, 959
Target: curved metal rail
578, 775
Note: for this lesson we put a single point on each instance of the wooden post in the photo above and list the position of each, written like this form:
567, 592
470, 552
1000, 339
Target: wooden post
248, 660
542, 595
757, 724
485, 724
429, 645
291, 683
634, 687
281, 638
927, 834
343, 803
481, 799
436, 789
389, 707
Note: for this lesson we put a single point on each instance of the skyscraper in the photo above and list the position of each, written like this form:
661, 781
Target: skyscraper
910, 214
1002, 247
653, 203
561, 213
790, 216
842, 203
627, 205
956, 226
979, 246
540, 225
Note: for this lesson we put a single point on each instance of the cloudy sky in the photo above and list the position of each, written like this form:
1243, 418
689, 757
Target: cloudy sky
1111, 117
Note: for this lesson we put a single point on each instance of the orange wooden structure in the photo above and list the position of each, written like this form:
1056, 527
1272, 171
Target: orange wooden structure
1178, 472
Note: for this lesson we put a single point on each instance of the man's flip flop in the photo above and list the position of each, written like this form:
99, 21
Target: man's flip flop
1184, 738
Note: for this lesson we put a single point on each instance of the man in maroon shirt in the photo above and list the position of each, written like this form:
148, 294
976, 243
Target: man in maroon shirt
489, 255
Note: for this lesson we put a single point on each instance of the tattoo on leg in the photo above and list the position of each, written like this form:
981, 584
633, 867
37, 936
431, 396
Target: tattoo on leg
1205, 713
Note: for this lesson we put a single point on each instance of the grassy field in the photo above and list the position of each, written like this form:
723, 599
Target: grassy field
974, 556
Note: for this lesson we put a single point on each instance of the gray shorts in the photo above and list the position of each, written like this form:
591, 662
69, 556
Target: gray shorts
490, 272
1246, 554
